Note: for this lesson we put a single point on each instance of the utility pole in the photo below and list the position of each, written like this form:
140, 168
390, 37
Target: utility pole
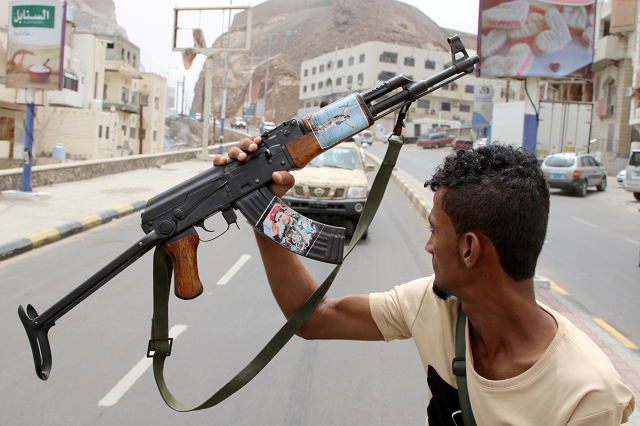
224, 85
266, 79
182, 108
140, 129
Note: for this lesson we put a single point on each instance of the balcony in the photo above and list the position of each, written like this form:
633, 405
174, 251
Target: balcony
606, 52
133, 109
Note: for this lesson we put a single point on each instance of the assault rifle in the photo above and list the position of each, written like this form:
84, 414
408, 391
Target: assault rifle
170, 218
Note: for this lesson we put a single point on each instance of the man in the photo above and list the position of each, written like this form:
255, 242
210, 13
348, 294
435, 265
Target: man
525, 363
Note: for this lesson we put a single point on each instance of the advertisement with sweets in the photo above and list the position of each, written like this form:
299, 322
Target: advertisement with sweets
541, 38
34, 47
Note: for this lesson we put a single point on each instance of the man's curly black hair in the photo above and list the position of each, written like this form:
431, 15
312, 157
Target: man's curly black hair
499, 191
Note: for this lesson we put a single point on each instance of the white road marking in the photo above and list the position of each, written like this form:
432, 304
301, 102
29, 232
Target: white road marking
632, 241
584, 221
136, 372
234, 269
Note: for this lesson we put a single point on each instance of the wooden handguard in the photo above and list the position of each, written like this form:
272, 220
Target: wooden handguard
183, 253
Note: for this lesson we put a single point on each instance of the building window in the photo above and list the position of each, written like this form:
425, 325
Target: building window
308, 105
321, 68
157, 102
313, 71
512, 94
329, 65
99, 131
351, 60
123, 54
304, 89
362, 58
445, 106
610, 137
468, 88
104, 92
360, 78
430, 64
386, 75
454, 87
465, 108
143, 133
155, 133
424, 103
110, 45
125, 95
445, 87
124, 130
340, 63
144, 100
106, 132
390, 57
70, 82
134, 98
350, 79
132, 132
410, 62
320, 85
306, 72
313, 87
316, 103
339, 81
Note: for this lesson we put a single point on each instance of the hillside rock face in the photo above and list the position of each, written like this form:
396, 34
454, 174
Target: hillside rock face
317, 27
96, 16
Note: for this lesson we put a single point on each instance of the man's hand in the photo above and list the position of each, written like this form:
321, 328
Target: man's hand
282, 181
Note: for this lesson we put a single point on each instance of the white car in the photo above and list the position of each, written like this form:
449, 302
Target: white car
239, 123
480, 142
364, 137
620, 176
632, 177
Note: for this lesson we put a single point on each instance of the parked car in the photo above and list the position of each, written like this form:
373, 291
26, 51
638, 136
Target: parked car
333, 187
632, 178
434, 140
239, 123
364, 137
621, 175
576, 172
267, 126
480, 142
461, 143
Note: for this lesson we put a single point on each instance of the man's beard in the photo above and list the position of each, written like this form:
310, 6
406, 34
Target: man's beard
439, 293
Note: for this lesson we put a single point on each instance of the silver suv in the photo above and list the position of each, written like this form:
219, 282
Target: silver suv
569, 171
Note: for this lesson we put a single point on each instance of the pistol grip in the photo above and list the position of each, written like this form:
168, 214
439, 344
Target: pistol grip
184, 256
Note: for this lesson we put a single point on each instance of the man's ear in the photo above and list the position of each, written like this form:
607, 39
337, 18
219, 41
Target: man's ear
469, 249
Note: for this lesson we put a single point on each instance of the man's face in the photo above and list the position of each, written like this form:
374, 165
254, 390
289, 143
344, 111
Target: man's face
284, 218
443, 247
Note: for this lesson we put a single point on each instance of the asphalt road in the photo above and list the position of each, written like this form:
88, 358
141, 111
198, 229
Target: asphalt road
103, 340
591, 250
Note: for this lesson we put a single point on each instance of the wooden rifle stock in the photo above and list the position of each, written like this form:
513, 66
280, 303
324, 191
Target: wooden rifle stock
183, 253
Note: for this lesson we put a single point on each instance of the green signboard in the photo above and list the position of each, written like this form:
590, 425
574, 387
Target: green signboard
38, 16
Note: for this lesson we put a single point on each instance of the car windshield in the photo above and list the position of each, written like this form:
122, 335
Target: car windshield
343, 158
560, 161
634, 159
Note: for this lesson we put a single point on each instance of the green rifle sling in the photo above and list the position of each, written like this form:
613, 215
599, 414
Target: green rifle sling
460, 370
162, 269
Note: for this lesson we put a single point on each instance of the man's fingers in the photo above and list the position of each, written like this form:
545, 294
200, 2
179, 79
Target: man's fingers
219, 160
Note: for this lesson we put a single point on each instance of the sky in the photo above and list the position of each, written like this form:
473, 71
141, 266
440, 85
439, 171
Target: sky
149, 25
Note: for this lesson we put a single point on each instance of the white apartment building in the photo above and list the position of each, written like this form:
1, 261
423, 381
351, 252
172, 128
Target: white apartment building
616, 89
358, 68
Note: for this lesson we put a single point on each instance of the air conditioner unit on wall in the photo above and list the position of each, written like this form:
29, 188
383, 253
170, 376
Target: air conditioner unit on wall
413, 109
433, 111
456, 117
455, 105
629, 91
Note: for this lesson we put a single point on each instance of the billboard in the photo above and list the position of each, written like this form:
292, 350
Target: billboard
34, 44
482, 109
623, 16
550, 38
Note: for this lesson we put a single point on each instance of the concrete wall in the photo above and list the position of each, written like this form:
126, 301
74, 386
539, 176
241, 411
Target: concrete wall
11, 179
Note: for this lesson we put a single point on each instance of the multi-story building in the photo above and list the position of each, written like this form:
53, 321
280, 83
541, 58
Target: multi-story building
358, 68
616, 118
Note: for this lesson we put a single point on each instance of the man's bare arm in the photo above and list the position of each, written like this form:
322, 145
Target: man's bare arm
343, 318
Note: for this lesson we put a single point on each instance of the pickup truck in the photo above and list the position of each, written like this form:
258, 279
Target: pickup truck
238, 123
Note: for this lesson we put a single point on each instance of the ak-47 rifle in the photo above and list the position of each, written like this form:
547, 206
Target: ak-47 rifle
170, 218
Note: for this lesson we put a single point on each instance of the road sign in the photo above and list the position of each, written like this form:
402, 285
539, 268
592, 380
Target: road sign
260, 108
249, 109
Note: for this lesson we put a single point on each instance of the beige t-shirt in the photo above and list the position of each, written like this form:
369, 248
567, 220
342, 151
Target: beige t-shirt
572, 383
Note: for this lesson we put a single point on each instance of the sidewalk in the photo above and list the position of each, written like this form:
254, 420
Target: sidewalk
78, 206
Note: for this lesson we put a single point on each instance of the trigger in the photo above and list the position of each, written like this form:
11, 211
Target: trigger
229, 215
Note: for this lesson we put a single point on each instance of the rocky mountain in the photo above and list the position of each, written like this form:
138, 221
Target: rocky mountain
316, 27
97, 16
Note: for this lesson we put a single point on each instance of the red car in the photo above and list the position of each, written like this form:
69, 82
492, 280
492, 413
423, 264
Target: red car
461, 143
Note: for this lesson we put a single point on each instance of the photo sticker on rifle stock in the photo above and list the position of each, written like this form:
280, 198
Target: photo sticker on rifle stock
288, 228
338, 121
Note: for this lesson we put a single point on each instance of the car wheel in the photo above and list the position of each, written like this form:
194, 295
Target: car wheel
637, 195
581, 189
603, 184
